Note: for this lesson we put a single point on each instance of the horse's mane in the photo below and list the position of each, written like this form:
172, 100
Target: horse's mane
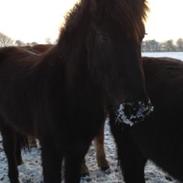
128, 14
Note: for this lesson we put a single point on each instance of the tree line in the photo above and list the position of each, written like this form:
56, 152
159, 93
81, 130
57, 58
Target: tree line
6, 41
147, 46
166, 46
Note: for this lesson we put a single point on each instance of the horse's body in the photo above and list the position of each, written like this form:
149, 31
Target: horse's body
160, 137
22, 141
13, 140
59, 96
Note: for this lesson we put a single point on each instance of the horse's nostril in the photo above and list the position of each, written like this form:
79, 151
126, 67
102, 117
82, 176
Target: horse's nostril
130, 109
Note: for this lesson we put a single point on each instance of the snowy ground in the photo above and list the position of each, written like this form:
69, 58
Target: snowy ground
177, 55
30, 171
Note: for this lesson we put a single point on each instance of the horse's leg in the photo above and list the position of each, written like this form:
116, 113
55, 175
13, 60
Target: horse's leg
18, 155
51, 161
9, 144
100, 152
130, 158
73, 161
19, 142
32, 141
84, 169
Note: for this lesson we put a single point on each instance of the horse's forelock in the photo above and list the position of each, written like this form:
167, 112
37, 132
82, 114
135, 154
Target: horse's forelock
74, 18
129, 14
133, 15
129, 8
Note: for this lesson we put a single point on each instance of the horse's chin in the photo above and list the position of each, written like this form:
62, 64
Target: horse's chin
132, 113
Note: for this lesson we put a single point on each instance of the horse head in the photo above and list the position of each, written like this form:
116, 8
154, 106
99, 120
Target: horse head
111, 32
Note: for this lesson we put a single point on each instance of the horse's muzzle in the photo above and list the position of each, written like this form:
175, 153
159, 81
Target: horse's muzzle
133, 112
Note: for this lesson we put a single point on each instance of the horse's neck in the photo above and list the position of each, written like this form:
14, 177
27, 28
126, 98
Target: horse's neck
48, 59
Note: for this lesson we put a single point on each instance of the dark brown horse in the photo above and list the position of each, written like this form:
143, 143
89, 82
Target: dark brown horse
160, 137
21, 141
59, 96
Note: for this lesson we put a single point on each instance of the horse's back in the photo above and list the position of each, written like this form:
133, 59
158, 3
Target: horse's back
6, 52
160, 69
164, 80
17, 55
17, 81
160, 136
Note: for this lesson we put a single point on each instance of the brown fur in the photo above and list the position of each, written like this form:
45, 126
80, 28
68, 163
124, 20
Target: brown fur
59, 96
159, 137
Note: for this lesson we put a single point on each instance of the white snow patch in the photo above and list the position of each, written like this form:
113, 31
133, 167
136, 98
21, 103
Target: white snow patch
121, 116
142, 112
176, 55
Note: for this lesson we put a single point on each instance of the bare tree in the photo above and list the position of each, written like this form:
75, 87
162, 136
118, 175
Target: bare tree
48, 41
179, 44
5, 40
19, 43
150, 45
33, 43
168, 46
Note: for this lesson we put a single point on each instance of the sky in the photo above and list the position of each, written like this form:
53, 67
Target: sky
38, 20
165, 20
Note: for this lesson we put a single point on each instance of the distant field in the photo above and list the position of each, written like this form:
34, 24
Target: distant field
177, 55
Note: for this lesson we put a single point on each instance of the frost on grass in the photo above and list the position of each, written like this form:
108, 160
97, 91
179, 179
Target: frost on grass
31, 171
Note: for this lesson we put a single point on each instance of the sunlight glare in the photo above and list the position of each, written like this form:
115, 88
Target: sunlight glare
37, 20
33, 20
